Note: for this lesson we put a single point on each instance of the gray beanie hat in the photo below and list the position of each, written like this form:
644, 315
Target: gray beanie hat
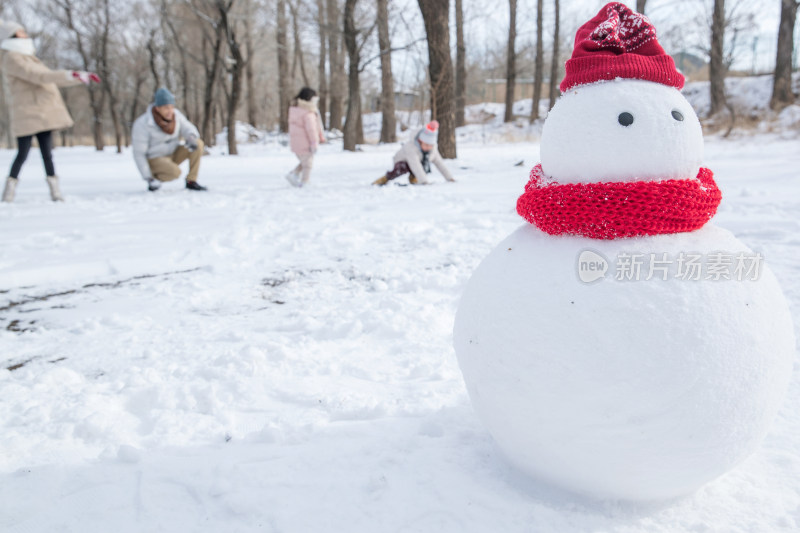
164, 97
430, 133
8, 29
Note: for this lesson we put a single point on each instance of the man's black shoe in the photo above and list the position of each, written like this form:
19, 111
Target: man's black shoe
194, 186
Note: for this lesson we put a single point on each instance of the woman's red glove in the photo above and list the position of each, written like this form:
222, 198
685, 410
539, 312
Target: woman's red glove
85, 77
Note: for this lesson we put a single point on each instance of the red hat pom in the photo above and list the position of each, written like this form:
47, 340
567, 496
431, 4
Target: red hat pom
619, 43
432, 126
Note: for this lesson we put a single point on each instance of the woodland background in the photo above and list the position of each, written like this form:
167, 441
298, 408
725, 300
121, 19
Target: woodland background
244, 60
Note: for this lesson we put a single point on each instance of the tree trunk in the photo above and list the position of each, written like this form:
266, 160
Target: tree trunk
283, 69
114, 112
640, 6
152, 53
105, 74
167, 18
354, 90
208, 97
63, 133
717, 66
235, 69
538, 63
461, 68
782, 94
213, 111
97, 103
134, 110
436, 15
359, 124
323, 52
388, 122
252, 109
233, 103
336, 65
511, 56
298, 46
555, 64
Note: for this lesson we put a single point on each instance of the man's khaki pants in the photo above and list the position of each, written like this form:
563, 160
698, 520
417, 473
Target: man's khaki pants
166, 168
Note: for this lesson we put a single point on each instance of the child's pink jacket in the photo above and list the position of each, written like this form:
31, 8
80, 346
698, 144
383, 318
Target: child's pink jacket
305, 128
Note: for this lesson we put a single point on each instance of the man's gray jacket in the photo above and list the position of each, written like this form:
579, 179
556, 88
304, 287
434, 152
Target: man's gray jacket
150, 141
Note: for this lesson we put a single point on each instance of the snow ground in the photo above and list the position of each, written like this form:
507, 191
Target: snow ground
261, 358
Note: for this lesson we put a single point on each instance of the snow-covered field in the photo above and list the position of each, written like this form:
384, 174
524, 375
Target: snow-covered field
262, 358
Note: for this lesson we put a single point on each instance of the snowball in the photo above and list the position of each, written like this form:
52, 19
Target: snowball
583, 140
637, 390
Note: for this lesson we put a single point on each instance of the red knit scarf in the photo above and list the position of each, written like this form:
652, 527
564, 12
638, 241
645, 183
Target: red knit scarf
614, 210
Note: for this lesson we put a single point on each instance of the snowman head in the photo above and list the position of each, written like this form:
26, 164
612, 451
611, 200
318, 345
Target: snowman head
622, 117
621, 150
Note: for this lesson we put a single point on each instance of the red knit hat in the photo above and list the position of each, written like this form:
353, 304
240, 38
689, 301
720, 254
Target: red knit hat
619, 43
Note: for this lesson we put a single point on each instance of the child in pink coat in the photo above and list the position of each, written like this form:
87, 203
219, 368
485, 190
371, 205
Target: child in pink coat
305, 134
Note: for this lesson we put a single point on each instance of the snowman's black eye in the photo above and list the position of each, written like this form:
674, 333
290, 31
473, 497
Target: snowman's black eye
626, 119
677, 115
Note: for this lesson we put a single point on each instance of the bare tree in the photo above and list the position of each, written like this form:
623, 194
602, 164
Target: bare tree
107, 74
153, 54
323, 53
249, 74
184, 70
133, 60
283, 68
336, 64
68, 15
538, 63
354, 89
782, 94
298, 47
717, 65
436, 16
235, 68
388, 122
461, 68
556, 62
133, 102
213, 37
640, 6
511, 56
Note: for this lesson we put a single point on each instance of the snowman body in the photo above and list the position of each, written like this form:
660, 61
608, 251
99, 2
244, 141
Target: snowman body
629, 387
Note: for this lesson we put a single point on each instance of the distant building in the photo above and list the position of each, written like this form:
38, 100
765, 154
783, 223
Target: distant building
494, 90
403, 101
691, 66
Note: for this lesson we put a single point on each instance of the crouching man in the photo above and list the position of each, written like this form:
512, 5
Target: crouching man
156, 144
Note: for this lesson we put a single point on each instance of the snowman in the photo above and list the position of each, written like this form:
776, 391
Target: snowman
618, 345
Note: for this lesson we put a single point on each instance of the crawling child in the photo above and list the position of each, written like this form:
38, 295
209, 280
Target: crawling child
415, 158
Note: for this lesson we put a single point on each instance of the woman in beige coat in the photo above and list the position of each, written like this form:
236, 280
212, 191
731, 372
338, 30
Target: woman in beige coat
35, 103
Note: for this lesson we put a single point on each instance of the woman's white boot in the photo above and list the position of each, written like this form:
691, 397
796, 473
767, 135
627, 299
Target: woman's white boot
10, 189
55, 192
